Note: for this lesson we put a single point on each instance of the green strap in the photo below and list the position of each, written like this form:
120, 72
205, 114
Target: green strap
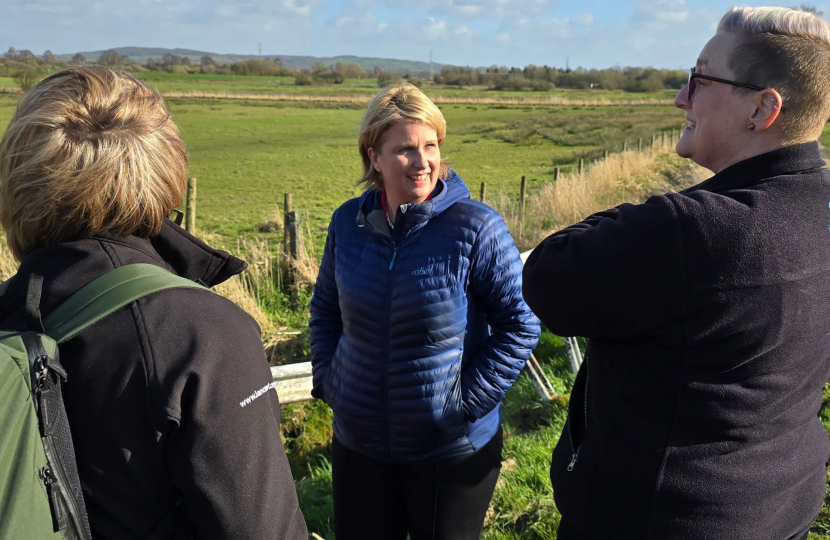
108, 293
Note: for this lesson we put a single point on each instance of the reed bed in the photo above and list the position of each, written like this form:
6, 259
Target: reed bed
437, 99
630, 176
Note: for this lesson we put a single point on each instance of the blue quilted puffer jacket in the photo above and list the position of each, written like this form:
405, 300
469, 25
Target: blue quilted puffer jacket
400, 344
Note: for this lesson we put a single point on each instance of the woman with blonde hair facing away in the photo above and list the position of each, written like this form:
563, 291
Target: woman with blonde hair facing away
91, 165
695, 414
412, 275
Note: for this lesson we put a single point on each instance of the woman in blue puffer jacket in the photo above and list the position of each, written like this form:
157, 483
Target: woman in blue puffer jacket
418, 329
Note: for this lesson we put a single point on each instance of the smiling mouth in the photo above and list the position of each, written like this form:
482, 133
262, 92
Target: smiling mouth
418, 178
691, 125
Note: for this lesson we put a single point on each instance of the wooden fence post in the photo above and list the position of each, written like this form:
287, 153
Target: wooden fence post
483, 191
580, 165
522, 194
625, 146
190, 208
294, 253
285, 211
640, 144
555, 174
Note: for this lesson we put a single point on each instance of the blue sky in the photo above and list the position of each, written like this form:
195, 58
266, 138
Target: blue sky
592, 34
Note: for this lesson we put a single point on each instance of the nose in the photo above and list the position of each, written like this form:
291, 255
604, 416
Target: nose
420, 159
681, 100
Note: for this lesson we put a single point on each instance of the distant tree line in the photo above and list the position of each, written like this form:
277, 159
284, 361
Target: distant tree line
541, 78
27, 68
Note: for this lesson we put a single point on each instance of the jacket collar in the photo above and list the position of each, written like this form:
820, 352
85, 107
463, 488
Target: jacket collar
788, 160
447, 192
174, 249
191, 258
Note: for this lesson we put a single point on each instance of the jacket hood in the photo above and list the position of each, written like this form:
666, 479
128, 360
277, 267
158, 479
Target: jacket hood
174, 249
447, 192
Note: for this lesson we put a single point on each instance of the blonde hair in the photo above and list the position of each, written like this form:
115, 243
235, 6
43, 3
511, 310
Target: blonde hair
788, 50
401, 102
88, 150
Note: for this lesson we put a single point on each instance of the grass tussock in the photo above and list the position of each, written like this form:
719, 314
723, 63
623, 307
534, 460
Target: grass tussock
630, 176
8, 265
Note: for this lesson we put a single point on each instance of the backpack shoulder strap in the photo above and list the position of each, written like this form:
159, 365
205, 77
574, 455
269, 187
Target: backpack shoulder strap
108, 293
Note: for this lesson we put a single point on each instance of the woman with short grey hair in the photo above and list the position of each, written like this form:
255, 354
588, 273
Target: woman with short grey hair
695, 414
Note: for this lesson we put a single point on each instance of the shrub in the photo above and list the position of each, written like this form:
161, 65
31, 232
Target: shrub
303, 78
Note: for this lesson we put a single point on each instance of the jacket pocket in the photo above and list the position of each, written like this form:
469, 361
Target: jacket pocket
452, 422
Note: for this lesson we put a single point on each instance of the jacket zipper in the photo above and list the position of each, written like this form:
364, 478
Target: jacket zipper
389, 284
576, 449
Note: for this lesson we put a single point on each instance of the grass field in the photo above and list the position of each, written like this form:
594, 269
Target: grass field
246, 154
240, 84
166, 82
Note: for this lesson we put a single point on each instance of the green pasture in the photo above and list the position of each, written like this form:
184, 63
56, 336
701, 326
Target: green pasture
246, 155
174, 82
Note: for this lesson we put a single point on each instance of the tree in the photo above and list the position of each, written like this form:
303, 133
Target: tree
170, 60
48, 57
206, 61
78, 58
27, 78
25, 55
109, 57
11, 53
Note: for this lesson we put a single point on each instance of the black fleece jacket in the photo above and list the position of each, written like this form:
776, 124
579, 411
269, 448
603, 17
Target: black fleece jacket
154, 397
708, 312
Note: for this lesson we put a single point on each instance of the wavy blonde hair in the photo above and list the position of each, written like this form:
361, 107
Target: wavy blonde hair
401, 102
88, 150
788, 50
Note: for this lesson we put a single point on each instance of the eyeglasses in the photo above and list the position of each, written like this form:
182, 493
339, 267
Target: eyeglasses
693, 75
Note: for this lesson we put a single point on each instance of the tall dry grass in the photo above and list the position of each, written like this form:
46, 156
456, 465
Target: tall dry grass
630, 176
363, 99
8, 266
249, 290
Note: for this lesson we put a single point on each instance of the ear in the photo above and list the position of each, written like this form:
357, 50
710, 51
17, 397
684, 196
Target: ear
767, 106
373, 157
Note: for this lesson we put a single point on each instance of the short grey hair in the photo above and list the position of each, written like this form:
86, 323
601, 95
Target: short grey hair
787, 50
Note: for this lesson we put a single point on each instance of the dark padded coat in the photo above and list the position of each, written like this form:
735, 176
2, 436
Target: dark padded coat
155, 396
708, 313
399, 338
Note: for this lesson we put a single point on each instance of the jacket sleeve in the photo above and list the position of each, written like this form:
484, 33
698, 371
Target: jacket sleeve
225, 454
496, 283
617, 274
325, 324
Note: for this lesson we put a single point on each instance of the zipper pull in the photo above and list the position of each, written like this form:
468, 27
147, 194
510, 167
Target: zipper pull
573, 461
392, 262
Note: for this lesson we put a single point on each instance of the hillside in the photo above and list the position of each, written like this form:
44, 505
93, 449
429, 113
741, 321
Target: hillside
142, 54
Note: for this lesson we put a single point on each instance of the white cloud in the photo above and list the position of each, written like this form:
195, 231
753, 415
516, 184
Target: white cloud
435, 30
463, 31
503, 37
584, 20
662, 11
291, 6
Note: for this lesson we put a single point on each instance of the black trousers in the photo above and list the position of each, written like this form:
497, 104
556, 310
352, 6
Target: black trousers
567, 532
440, 500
